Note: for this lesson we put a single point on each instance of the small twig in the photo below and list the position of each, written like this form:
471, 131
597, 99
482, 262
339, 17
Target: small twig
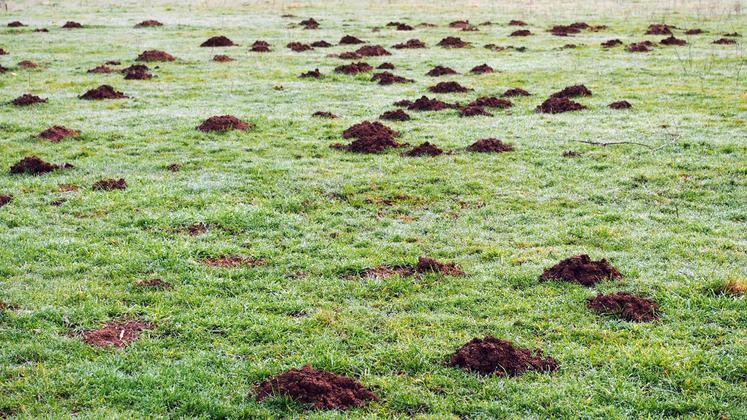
611, 143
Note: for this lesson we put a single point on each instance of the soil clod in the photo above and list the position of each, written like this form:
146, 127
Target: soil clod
321, 44
72, 25
313, 74
581, 269
370, 138
310, 23
57, 133
218, 41
28, 99
559, 105
223, 123
324, 114
572, 92
491, 102
515, 92
15, 24
410, 44
398, 115
387, 78
34, 165
481, 69
102, 92
448, 87
493, 356
5, 199
424, 149
155, 55
101, 69
490, 145
659, 29
148, 24
514, 22
440, 71
372, 51
620, 105
644, 46
115, 333
521, 32
427, 104
233, 261
222, 58
724, 41
299, 47
27, 65
385, 66
625, 306
109, 185
673, 41
354, 68
350, 40
474, 111
611, 43
452, 42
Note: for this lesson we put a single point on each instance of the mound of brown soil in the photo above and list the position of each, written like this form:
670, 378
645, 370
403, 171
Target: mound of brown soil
321, 44
521, 32
299, 47
315, 74
404, 27
581, 269
440, 71
41, 30
695, 31
481, 69
369, 129
371, 138
137, 74
563, 30
103, 92
452, 42
3, 52
403, 103
28, 99
227, 261
424, 149
517, 23
459, 24
115, 333
260, 46
568, 46
426, 104
387, 78
620, 105
558, 105
218, 41
644, 46
611, 43
493, 356
659, 29
410, 43
424, 265
515, 92
724, 41
222, 58
354, 68
155, 55
310, 23
135, 67
324, 114
398, 115
430, 265
348, 55
323, 390
157, 284
101, 69
372, 51
15, 24
36, 166
57, 133
490, 146
385, 66
572, 92
5, 199
148, 24
223, 123
72, 25
625, 306
351, 40
109, 185
474, 111
448, 87
28, 65
673, 41
491, 102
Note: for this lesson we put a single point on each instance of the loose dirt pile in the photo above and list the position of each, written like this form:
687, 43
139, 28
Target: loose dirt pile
148, 24
424, 149
27, 65
223, 123
625, 306
398, 115
452, 42
474, 111
368, 129
41, 30
350, 40
695, 31
426, 104
430, 265
5, 199
260, 46
572, 92
370, 138
517, 23
135, 67
404, 27
324, 114
299, 47
385, 66
481, 69
440, 71
490, 145
218, 41
372, 51
157, 284
195, 229
109, 185
3, 52
101, 69
724, 41
155, 55
559, 105
310, 23
521, 32
34, 165
659, 29
228, 261
15, 24
387, 78
493, 356
424, 265
222, 58
459, 24
72, 25
581, 269
620, 105
672, 41
644, 46
348, 55
321, 44
28, 99
515, 92
103, 92
137, 74
410, 43
354, 68
314, 74
57, 133
611, 43
564, 30
115, 333
491, 102
323, 390
448, 87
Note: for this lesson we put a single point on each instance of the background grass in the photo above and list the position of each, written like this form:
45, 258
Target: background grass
672, 220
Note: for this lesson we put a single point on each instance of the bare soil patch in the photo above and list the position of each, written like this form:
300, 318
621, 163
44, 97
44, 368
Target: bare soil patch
155, 55
218, 41
474, 111
299, 47
5, 199
491, 102
409, 44
572, 92
324, 114
222, 58
321, 44
351, 40
611, 43
427, 104
672, 41
489, 355
625, 306
156, 284
313, 74
27, 65
387, 78
101, 69
659, 29
440, 71
109, 185
581, 269
372, 51
115, 333
521, 32
481, 69
72, 25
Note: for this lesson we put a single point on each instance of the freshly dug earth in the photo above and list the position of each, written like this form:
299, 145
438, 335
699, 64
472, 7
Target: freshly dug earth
35, 166
321, 44
559, 105
426, 104
517, 23
515, 92
452, 42
223, 123
410, 44
115, 333
521, 32
155, 55
659, 29
430, 265
448, 87
424, 149
490, 145
157, 284
694, 31
673, 41
5, 199
474, 111
611, 43
354, 68
572, 92
299, 47
644, 46
423, 266
72, 25
440, 71
490, 355
491, 102
110, 184
15, 24
350, 40
368, 129
218, 41
260, 46
310, 23
481, 69
195, 229
137, 74
387, 78
103, 92
314, 74
222, 58
57, 133
581, 269
233, 261
323, 390
28, 65
371, 138
398, 115
28, 99
625, 306
620, 105
148, 24
324, 114
724, 41
385, 66
348, 55
101, 69
372, 51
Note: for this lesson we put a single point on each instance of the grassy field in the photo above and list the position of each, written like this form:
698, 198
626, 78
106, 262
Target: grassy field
671, 216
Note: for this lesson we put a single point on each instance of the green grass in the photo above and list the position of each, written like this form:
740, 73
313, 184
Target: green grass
673, 219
